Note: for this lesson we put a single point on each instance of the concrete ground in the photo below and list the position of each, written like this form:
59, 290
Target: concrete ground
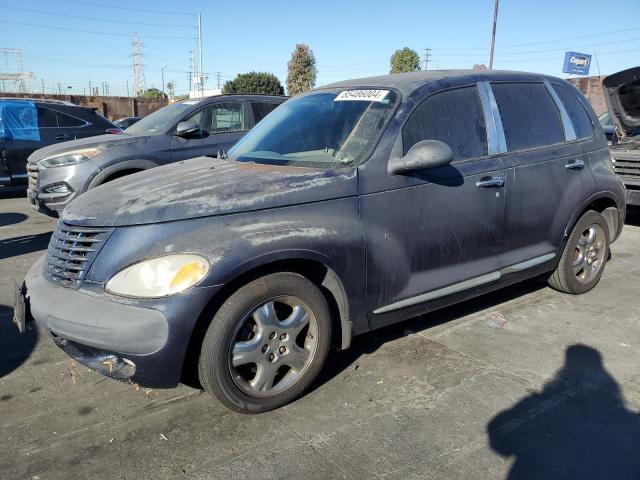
523, 383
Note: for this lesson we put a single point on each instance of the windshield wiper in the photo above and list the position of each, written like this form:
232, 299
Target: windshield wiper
221, 154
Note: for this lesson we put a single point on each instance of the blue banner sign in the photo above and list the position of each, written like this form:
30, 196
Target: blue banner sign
576, 63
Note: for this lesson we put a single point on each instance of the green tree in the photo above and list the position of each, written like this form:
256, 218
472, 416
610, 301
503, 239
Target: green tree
405, 60
153, 93
254, 82
302, 70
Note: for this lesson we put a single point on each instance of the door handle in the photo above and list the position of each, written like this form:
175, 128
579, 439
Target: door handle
488, 182
62, 137
574, 165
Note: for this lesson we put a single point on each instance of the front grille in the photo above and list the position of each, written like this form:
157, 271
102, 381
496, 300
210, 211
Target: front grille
71, 251
32, 172
627, 165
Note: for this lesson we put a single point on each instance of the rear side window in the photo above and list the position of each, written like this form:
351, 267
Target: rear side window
227, 117
261, 110
529, 115
453, 117
578, 115
47, 118
69, 121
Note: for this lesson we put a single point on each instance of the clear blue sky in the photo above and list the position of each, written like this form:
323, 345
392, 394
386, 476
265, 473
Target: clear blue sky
349, 38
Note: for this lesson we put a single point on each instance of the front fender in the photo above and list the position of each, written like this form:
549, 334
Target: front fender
327, 232
119, 167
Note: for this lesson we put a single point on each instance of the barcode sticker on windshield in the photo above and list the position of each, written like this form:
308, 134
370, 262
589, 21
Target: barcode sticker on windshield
362, 95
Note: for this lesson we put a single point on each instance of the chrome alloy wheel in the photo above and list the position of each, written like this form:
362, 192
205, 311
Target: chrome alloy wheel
273, 346
588, 257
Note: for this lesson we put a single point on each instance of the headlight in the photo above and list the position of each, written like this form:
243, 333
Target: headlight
69, 158
159, 277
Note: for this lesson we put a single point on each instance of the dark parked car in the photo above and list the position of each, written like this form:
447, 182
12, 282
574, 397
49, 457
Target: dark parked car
126, 122
622, 92
186, 129
29, 124
350, 207
608, 127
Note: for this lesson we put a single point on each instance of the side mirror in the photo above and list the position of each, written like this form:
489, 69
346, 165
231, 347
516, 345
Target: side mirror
423, 155
187, 129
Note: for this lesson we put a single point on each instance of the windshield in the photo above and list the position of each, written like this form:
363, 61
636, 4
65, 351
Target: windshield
320, 129
160, 120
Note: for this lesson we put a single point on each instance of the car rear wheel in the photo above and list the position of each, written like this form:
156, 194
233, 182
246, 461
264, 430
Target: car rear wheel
266, 344
584, 257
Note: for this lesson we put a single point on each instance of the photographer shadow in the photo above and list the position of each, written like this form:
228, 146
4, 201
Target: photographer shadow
577, 427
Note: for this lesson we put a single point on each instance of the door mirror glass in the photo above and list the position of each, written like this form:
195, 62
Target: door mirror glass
424, 155
187, 129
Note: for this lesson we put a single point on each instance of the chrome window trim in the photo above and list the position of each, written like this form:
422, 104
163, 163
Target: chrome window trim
495, 112
569, 132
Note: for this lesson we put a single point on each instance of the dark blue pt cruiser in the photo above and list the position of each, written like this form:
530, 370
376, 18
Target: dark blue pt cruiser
351, 207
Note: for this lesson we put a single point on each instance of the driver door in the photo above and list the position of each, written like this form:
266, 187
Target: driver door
438, 233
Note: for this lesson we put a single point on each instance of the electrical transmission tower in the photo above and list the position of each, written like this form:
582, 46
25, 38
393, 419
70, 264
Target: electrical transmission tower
139, 82
12, 72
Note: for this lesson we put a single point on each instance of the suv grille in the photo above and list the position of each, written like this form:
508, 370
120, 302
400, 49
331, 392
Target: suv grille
71, 251
32, 172
627, 165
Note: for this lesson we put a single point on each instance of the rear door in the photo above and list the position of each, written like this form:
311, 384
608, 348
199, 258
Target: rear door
436, 235
226, 123
547, 177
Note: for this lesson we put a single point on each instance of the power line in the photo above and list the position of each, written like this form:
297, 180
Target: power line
112, 34
160, 12
514, 45
96, 19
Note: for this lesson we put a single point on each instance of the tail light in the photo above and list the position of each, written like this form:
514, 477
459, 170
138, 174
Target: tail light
114, 131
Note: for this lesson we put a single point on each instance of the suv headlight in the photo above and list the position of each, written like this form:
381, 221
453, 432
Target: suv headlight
159, 277
69, 158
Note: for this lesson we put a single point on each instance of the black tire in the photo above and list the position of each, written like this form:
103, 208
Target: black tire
215, 371
564, 278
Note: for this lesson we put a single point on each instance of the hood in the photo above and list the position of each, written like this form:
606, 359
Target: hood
100, 141
204, 187
622, 94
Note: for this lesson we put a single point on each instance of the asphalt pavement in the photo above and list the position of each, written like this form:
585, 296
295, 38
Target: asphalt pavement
522, 383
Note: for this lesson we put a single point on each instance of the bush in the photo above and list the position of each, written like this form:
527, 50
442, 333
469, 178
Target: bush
254, 82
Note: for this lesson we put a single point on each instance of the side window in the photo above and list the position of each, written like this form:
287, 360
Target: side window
47, 118
69, 121
529, 115
198, 118
578, 115
261, 110
227, 117
454, 117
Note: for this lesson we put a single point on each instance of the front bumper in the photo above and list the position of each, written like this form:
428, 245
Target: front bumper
142, 344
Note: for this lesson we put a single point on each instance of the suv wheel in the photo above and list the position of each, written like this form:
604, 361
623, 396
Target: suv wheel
584, 256
266, 344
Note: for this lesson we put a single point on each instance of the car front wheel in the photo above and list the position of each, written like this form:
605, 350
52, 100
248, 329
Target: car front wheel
266, 344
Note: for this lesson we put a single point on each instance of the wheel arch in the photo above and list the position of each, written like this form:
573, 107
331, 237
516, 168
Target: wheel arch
131, 166
605, 203
324, 277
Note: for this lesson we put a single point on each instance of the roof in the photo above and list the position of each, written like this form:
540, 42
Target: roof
408, 82
40, 100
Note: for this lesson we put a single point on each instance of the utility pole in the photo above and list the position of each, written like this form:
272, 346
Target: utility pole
162, 71
493, 35
427, 54
42, 86
59, 89
595, 54
127, 88
219, 76
200, 53
90, 89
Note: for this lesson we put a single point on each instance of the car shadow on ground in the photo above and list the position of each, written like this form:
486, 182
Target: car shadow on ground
11, 218
577, 426
368, 343
13, 247
15, 348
